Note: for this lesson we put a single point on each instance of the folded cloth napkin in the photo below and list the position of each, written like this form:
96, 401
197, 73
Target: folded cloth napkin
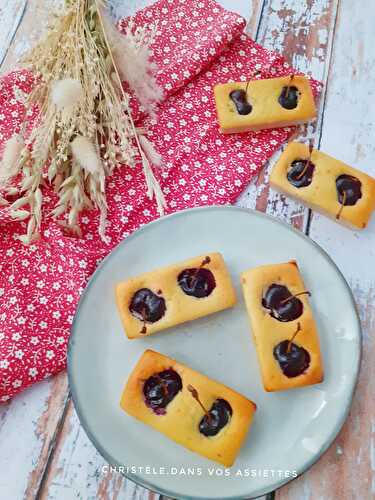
198, 44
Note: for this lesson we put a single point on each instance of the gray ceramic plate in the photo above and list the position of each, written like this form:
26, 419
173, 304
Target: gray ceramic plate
291, 429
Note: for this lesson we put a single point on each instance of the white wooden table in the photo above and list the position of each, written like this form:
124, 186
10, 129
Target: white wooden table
44, 452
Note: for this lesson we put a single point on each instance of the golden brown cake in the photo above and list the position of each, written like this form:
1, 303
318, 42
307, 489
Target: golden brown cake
269, 103
203, 415
325, 184
283, 326
172, 295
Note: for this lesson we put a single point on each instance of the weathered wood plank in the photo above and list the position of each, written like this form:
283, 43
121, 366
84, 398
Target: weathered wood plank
347, 133
75, 471
346, 471
27, 427
29, 31
254, 19
11, 15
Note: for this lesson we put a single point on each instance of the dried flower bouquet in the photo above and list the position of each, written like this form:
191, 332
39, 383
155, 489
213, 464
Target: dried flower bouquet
83, 129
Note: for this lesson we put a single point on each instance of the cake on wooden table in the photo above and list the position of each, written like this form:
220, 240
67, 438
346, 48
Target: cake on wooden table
262, 104
325, 184
283, 326
203, 415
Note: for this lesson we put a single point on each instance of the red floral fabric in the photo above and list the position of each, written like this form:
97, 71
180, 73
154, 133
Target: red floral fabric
198, 44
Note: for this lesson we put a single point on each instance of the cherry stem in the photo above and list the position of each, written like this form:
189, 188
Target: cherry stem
293, 337
306, 292
163, 384
311, 147
195, 395
289, 85
308, 162
342, 205
257, 72
194, 277
143, 314
303, 171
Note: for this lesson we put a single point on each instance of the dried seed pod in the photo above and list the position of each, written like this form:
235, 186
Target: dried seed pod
67, 93
84, 152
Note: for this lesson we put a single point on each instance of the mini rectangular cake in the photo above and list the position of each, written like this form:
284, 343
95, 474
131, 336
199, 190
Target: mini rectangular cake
262, 104
203, 415
325, 184
283, 326
172, 295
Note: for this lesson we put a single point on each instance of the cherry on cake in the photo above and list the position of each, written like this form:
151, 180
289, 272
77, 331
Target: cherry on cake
283, 326
196, 412
325, 184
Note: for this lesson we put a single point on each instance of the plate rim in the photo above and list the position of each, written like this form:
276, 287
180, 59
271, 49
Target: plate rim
72, 388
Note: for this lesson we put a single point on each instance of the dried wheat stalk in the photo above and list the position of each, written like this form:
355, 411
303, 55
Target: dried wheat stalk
84, 127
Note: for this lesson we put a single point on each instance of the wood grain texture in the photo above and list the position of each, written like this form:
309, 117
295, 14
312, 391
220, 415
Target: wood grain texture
76, 470
27, 427
11, 15
347, 470
28, 31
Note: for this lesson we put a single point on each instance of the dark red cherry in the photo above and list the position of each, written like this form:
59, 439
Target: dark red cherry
219, 415
288, 98
293, 359
147, 306
282, 305
348, 189
160, 389
239, 97
197, 282
300, 173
